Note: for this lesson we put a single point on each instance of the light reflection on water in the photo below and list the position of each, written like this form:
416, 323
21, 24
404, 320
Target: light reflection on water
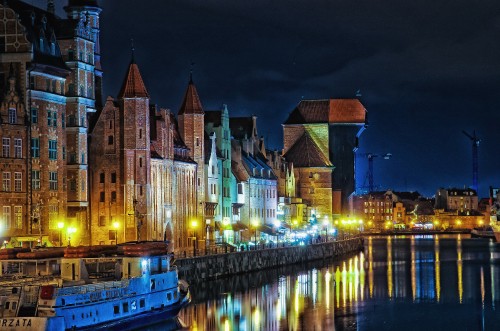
410, 283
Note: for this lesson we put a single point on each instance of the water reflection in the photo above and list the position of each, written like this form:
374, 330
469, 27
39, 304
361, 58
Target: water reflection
415, 283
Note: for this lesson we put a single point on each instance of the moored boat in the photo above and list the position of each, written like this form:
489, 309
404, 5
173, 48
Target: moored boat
483, 232
108, 292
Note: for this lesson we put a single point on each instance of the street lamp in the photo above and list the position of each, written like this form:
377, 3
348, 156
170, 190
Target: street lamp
60, 226
255, 224
71, 230
194, 225
326, 224
116, 225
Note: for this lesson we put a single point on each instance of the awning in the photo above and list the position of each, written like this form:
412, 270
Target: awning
267, 229
238, 226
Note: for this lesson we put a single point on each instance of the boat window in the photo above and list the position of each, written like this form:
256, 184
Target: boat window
153, 284
176, 294
7, 305
169, 296
116, 309
142, 303
14, 305
73, 317
96, 313
125, 307
63, 302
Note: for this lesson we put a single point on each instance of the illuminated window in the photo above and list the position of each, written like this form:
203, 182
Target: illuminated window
52, 150
12, 116
35, 180
53, 180
6, 181
18, 148
6, 147
18, 181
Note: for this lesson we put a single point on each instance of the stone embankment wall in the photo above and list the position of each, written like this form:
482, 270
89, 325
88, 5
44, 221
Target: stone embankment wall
200, 268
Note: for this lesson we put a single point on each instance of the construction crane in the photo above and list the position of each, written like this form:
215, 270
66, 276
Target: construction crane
475, 145
371, 157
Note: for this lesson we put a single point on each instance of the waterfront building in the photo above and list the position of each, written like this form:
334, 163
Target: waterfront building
320, 138
143, 179
256, 181
462, 200
217, 122
50, 69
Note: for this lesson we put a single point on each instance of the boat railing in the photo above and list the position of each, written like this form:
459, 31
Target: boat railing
90, 288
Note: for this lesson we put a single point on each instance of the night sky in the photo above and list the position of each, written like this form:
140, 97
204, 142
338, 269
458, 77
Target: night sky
426, 71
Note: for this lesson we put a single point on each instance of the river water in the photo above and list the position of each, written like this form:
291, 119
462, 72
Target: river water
397, 283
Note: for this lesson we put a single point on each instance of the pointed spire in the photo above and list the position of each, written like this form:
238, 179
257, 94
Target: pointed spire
133, 85
191, 103
50, 6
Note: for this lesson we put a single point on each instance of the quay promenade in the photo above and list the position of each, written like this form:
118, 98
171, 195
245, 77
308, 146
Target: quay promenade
212, 266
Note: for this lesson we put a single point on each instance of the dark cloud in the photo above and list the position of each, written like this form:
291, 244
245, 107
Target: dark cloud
426, 69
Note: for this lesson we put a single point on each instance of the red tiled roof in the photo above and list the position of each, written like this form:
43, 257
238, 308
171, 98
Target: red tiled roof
305, 153
328, 111
191, 103
346, 111
133, 85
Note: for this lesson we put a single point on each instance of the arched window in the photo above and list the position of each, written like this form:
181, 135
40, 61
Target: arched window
12, 116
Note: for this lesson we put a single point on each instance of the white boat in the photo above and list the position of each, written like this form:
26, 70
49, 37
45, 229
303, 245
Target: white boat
95, 293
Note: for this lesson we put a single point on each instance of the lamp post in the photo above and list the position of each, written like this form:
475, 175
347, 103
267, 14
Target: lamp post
194, 225
60, 226
116, 225
326, 223
71, 230
255, 224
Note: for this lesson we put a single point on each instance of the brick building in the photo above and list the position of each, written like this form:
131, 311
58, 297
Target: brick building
50, 69
320, 138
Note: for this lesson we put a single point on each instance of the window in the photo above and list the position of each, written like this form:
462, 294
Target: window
49, 118
71, 91
6, 216
52, 150
142, 303
110, 140
18, 181
113, 196
54, 119
18, 148
54, 86
6, 147
47, 85
72, 185
102, 220
64, 152
125, 307
6, 181
71, 55
112, 235
140, 162
12, 116
63, 120
169, 296
240, 188
35, 179
140, 133
101, 196
18, 217
116, 309
113, 177
101, 177
34, 116
53, 180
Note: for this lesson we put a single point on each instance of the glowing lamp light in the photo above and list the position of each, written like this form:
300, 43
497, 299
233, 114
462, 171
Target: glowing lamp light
277, 223
194, 223
116, 225
71, 230
60, 225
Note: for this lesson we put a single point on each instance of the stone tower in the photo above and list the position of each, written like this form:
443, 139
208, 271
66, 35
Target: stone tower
192, 129
134, 103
